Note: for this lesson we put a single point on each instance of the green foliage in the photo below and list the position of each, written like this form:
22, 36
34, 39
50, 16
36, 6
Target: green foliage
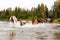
56, 9
40, 12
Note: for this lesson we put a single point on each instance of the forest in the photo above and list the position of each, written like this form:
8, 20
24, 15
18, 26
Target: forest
40, 12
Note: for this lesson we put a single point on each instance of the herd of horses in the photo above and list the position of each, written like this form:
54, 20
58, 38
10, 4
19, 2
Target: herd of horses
13, 20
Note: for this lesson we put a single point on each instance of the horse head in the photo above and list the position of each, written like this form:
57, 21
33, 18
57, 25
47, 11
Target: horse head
13, 19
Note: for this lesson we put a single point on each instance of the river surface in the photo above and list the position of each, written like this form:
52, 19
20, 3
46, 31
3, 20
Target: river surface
41, 31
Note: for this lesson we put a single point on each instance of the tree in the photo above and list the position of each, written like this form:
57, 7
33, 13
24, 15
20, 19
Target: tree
38, 11
46, 12
56, 8
50, 14
2, 14
33, 12
42, 10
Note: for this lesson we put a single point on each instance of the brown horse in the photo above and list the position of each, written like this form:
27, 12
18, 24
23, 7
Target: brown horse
35, 21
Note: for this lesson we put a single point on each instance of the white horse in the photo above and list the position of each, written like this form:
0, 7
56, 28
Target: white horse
14, 21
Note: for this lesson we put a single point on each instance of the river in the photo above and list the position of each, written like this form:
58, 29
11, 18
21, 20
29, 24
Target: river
42, 31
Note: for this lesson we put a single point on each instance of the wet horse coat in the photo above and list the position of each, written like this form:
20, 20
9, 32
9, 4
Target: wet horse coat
14, 21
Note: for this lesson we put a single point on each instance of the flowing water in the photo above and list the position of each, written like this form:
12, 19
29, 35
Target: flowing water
42, 31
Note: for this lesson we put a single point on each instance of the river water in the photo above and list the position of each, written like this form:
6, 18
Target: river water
41, 31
